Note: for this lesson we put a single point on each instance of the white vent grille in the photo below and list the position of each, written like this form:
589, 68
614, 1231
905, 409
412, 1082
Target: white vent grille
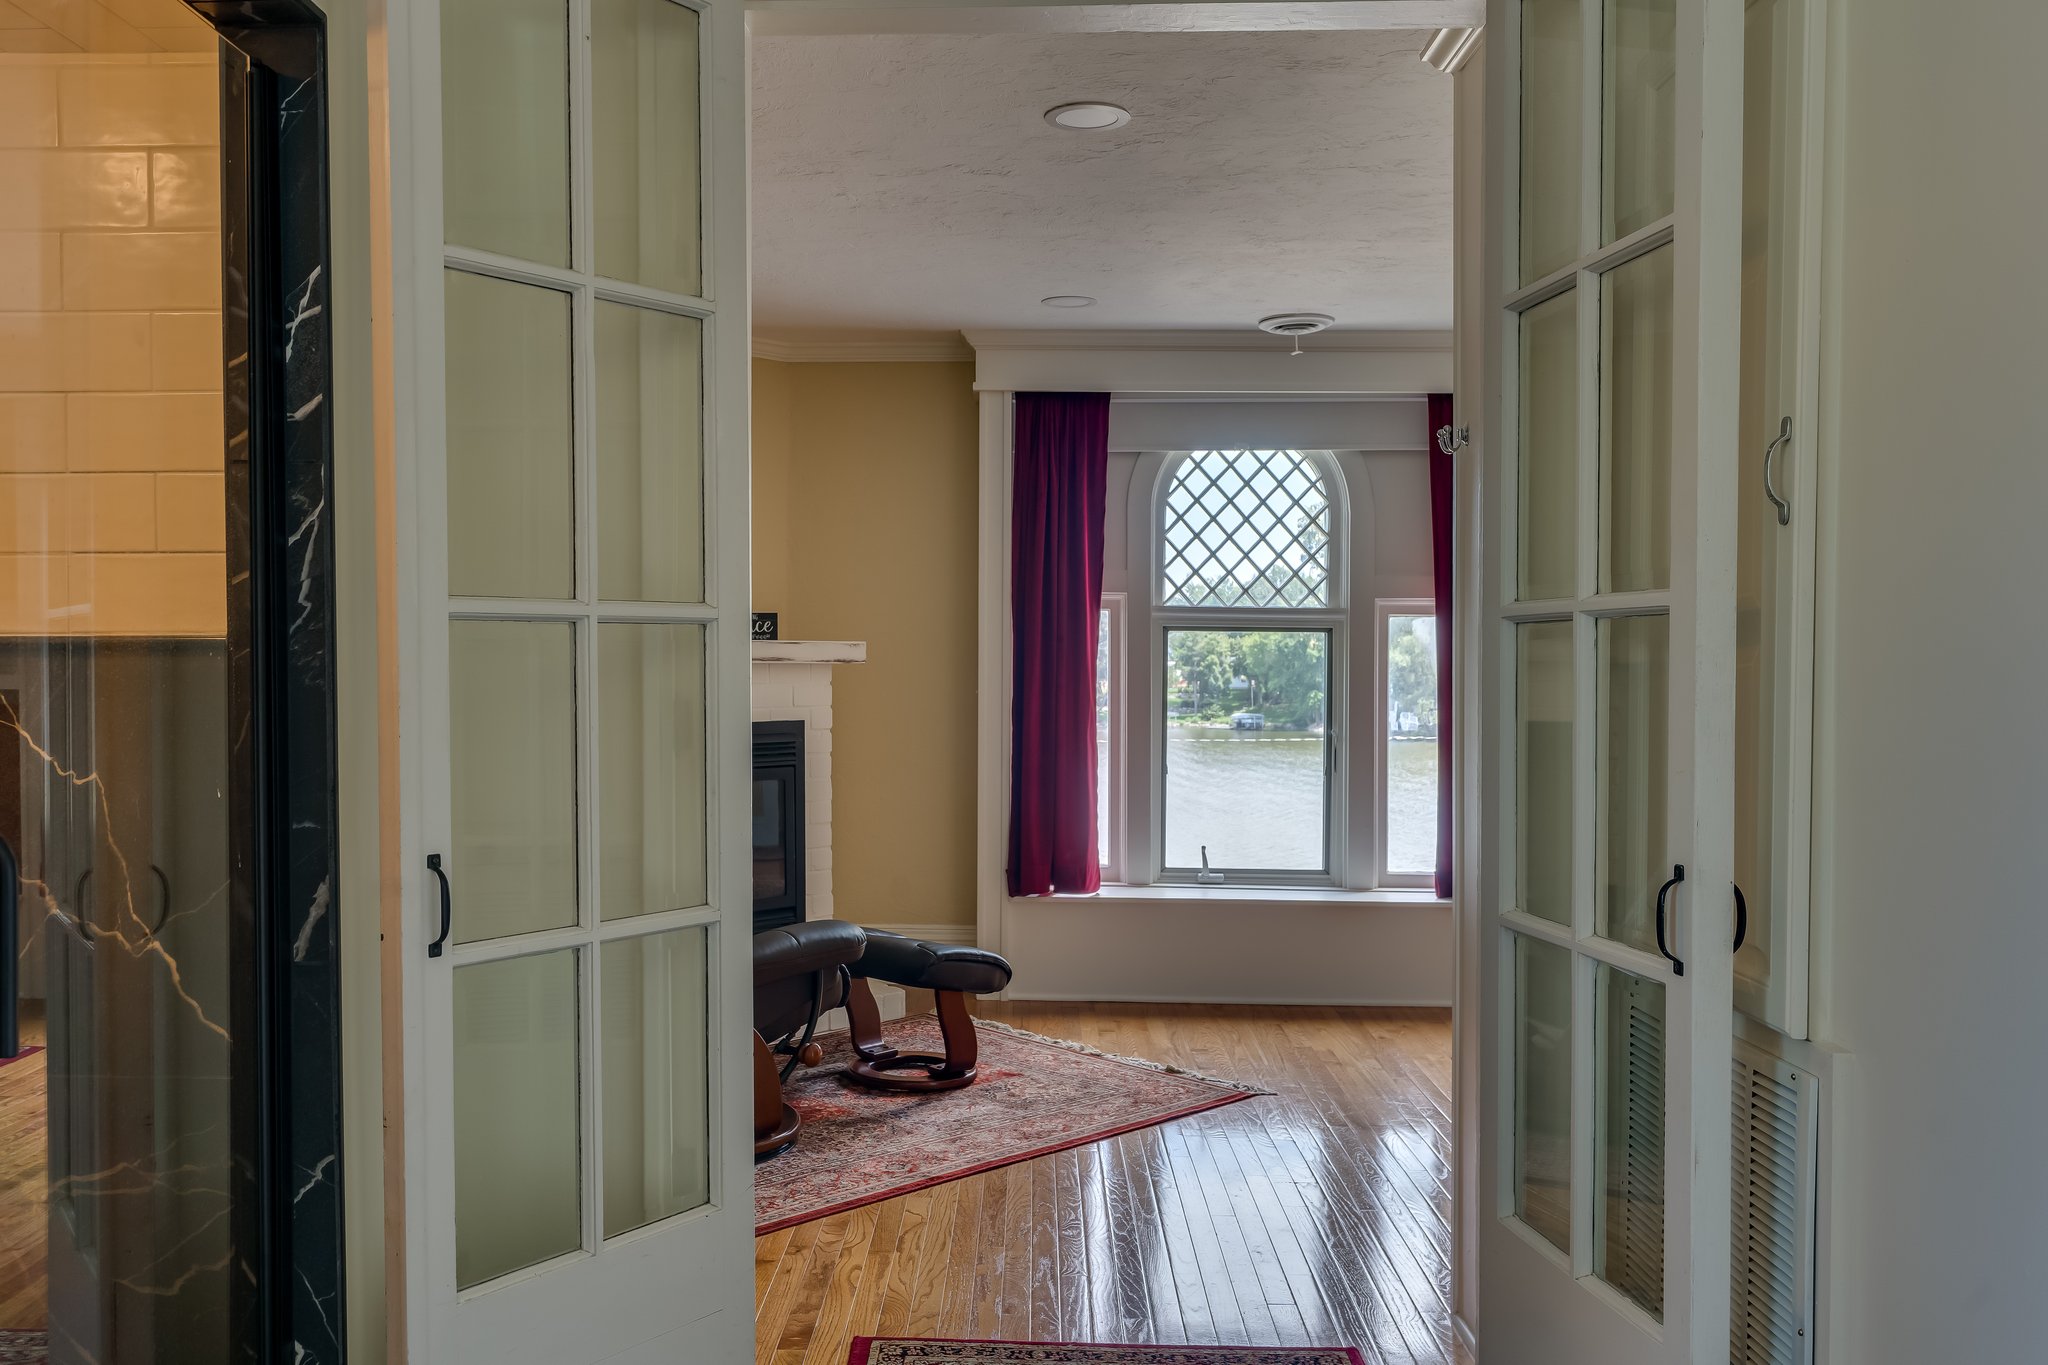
1776, 1129
1635, 1229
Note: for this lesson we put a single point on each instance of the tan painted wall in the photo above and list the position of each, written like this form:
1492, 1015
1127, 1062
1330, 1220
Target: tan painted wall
111, 516
864, 529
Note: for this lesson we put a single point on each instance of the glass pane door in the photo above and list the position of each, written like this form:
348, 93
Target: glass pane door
576, 672
1611, 584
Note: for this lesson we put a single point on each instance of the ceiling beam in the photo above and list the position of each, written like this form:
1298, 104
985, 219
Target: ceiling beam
1091, 16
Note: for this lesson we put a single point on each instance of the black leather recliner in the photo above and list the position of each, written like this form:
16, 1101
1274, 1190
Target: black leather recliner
800, 971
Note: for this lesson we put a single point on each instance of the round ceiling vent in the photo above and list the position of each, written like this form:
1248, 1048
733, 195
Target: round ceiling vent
1295, 324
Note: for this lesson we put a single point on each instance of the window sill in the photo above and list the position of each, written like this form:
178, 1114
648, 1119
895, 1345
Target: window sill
1251, 895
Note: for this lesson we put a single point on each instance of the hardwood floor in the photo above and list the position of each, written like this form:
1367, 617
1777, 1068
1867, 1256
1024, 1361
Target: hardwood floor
24, 1184
1316, 1216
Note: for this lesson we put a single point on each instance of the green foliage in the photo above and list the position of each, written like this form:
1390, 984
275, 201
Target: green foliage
1411, 674
1283, 674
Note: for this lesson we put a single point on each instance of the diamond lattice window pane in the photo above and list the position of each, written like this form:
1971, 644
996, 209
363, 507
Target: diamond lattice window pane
1246, 528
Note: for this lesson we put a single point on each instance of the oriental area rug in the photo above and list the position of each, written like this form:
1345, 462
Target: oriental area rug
1031, 1096
896, 1351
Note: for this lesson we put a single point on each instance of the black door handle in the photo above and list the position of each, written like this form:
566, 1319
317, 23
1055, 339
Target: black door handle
1741, 917
1663, 894
447, 905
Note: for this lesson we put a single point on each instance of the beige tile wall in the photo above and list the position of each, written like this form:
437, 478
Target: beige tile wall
111, 499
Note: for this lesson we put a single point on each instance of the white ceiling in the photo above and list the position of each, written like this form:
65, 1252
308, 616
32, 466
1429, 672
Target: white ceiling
907, 183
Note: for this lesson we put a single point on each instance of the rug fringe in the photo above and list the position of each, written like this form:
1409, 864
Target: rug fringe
1165, 1068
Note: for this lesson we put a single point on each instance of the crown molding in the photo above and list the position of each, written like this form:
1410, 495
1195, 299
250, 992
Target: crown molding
1046, 340
862, 350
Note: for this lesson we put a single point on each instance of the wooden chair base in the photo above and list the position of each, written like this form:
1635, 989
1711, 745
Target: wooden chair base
775, 1122
877, 1064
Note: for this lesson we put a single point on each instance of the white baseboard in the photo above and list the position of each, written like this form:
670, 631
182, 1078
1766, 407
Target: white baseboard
890, 1000
1466, 1336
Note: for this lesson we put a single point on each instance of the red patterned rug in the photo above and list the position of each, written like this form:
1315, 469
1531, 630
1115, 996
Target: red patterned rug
24, 1348
896, 1351
1032, 1095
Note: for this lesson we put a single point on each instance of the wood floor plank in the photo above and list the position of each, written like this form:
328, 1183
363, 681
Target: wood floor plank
1317, 1215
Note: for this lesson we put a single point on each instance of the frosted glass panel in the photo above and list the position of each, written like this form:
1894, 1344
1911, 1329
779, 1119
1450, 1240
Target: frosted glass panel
1543, 1089
1544, 703
517, 1186
650, 718
1547, 538
1553, 47
650, 455
511, 482
1639, 62
1635, 427
512, 760
505, 127
657, 1114
644, 152
1628, 1098
1634, 696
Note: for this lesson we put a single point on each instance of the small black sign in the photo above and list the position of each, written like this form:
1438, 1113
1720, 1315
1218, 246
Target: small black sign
767, 624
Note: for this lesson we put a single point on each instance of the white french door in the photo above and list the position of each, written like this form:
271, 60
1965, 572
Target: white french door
579, 1175
1614, 208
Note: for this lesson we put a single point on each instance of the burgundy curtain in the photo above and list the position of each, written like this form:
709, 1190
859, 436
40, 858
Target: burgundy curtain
1061, 472
1442, 481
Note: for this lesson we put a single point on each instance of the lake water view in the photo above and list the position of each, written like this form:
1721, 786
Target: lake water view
1256, 799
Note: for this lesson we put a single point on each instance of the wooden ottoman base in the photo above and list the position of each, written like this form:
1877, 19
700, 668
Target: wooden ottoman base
877, 1064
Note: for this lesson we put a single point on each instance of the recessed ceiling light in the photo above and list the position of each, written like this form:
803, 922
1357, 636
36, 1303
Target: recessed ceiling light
1068, 301
1087, 117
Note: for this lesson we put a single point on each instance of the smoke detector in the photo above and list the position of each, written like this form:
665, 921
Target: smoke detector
1295, 324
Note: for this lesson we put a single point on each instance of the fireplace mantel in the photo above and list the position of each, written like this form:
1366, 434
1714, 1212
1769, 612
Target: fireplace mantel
810, 651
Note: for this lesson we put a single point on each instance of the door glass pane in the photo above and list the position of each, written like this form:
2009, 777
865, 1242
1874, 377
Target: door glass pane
1544, 706
511, 479
1246, 768
1764, 580
1553, 47
1639, 65
1411, 704
1543, 1089
1634, 693
512, 760
643, 117
650, 454
518, 1185
1635, 427
651, 765
505, 127
657, 1098
1547, 531
1628, 1200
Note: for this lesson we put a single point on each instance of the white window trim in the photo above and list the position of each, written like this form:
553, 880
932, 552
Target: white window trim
1112, 853
1388, 608
1145, 566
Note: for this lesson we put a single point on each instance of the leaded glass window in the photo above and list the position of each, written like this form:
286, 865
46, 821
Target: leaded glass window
1246, 528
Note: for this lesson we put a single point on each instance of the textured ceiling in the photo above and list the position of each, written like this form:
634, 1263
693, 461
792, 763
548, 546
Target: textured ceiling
908, 183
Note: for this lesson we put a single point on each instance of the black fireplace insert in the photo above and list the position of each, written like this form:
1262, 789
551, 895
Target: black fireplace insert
778, 823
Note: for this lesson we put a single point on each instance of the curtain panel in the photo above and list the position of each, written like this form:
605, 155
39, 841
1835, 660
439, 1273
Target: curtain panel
1058, 487
1442, 489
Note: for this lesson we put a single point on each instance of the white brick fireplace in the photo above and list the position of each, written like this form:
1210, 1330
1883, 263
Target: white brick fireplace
793, 681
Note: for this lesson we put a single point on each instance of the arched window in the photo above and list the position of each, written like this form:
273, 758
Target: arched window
1245, 528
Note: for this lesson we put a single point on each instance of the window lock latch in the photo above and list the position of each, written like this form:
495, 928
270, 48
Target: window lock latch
1207, 876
